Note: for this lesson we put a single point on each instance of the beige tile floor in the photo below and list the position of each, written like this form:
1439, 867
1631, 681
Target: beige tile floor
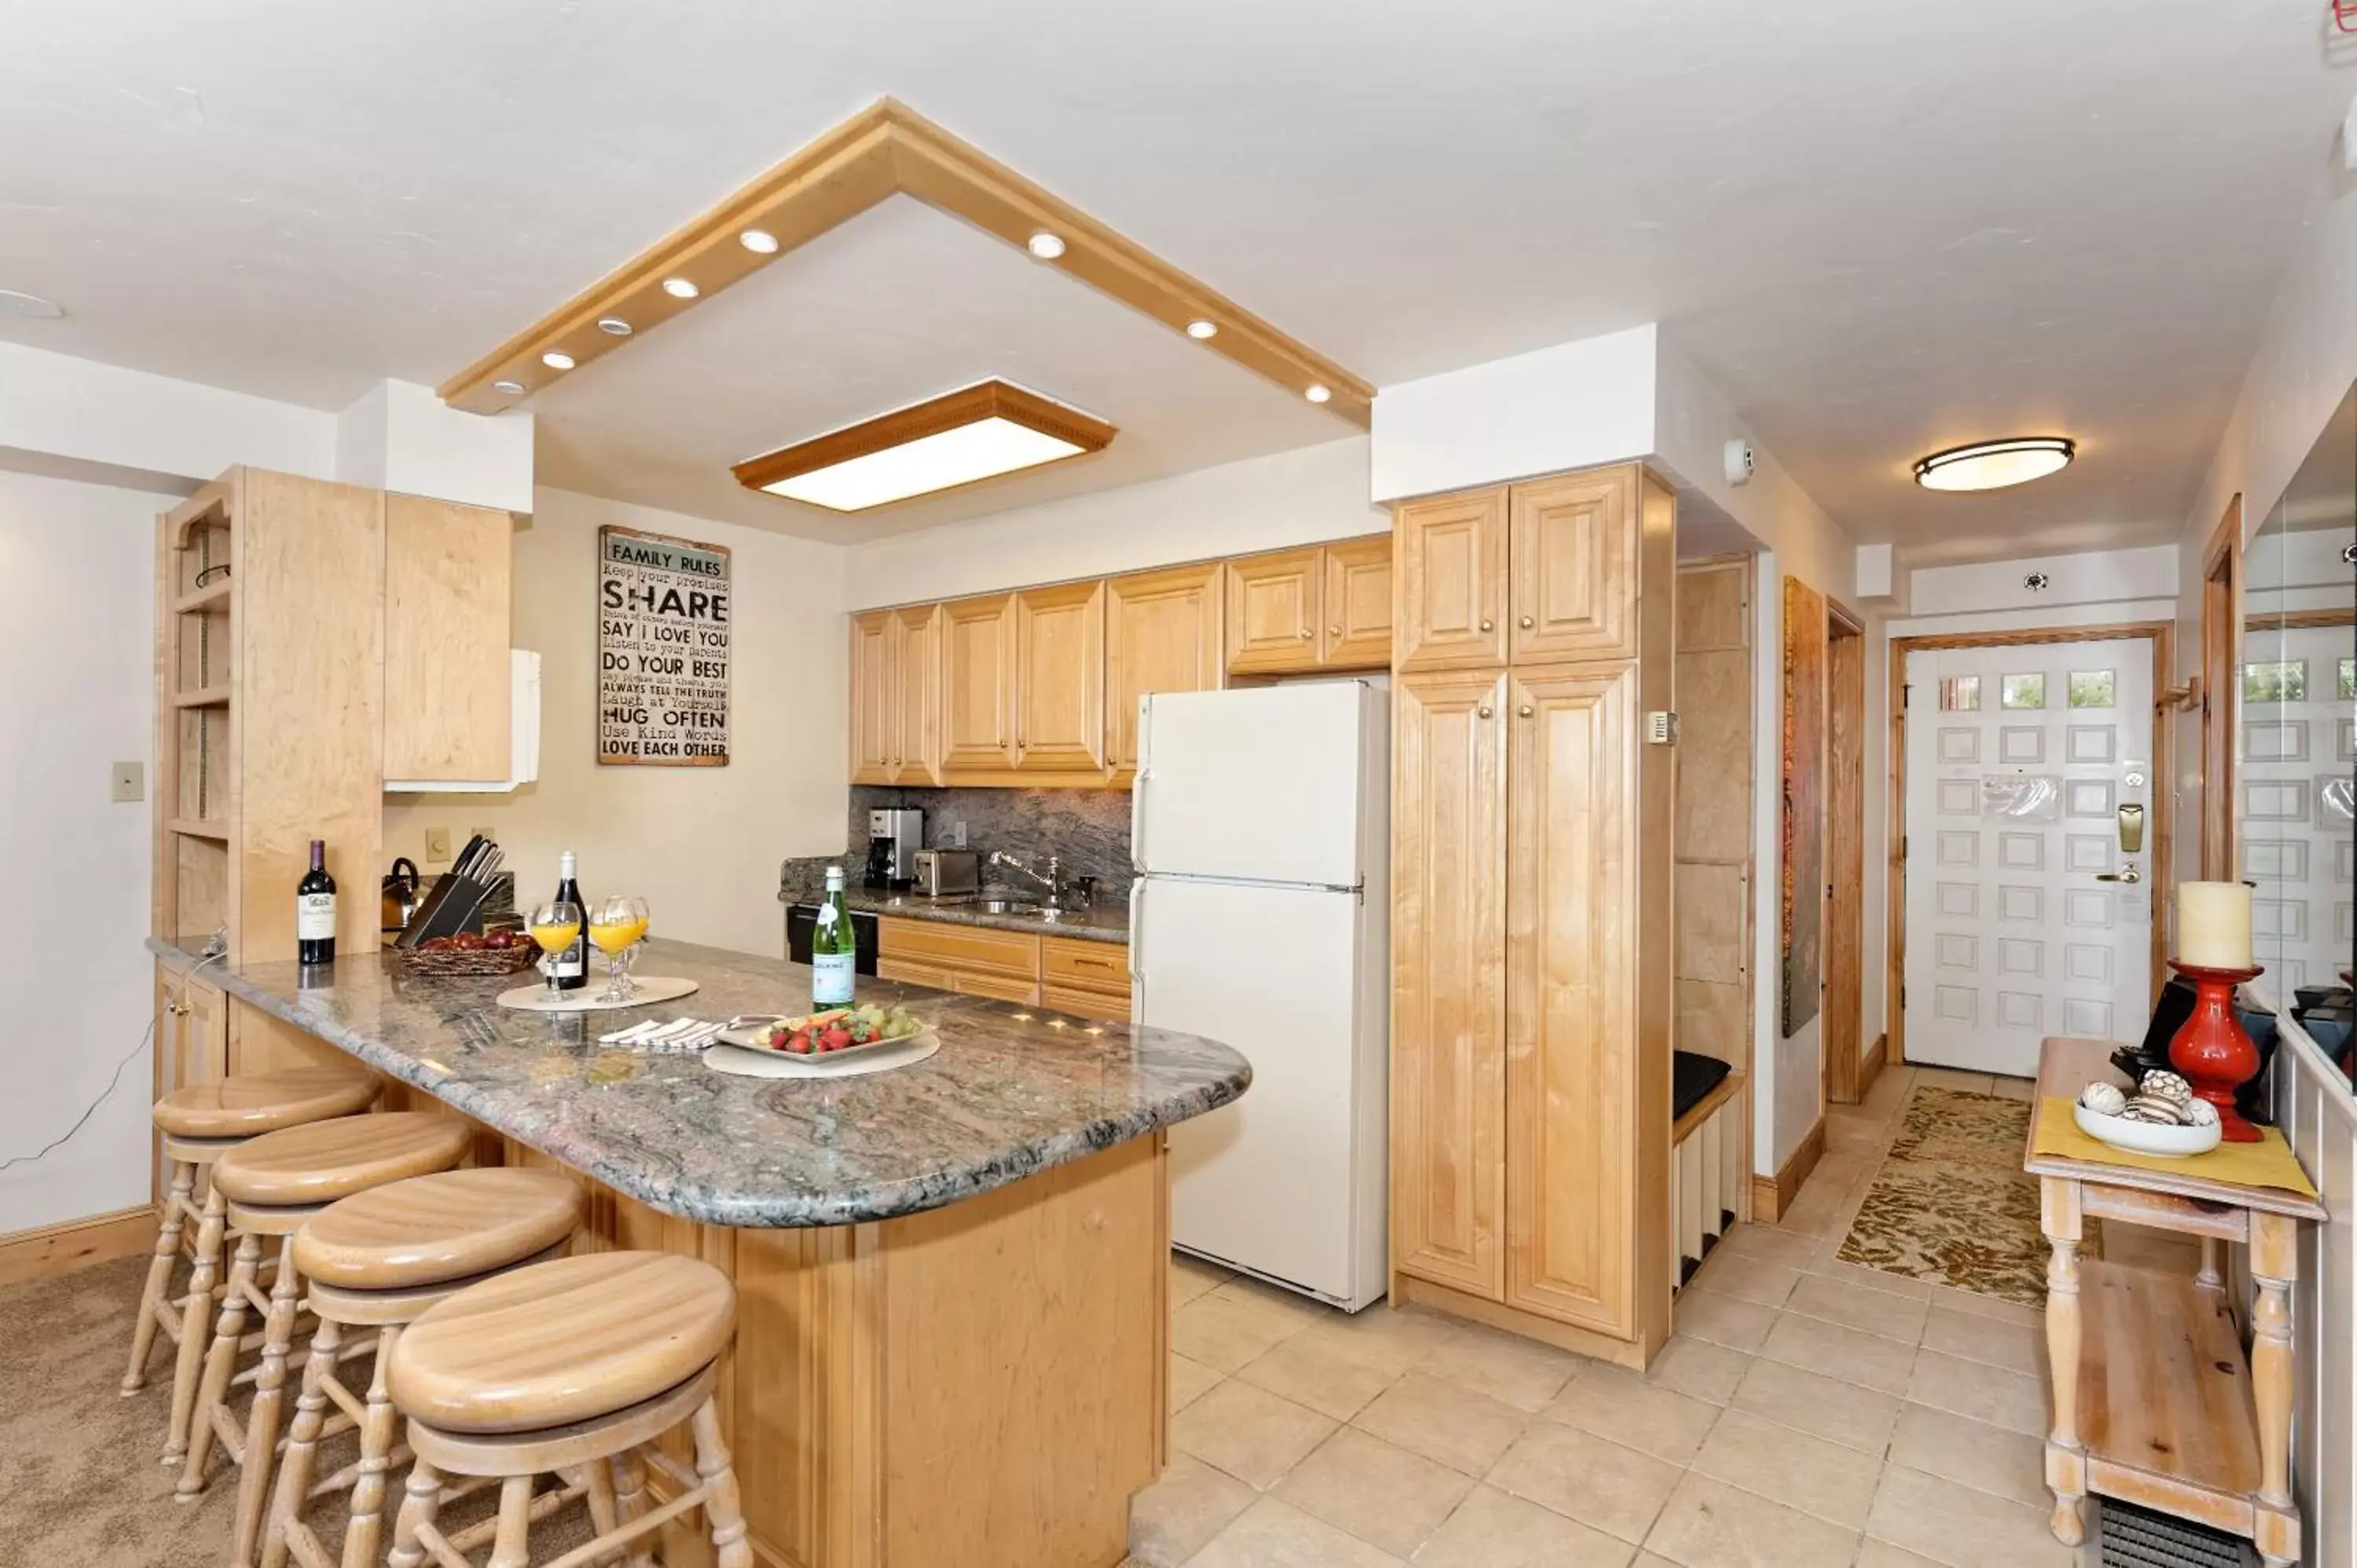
1807, 1414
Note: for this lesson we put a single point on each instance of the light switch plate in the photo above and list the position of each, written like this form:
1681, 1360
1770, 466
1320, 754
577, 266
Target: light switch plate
126, 781
437, 843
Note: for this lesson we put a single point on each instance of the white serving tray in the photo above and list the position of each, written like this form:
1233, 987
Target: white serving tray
2145, 1138
754, 1062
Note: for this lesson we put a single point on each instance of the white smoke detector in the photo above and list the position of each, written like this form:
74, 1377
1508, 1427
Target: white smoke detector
1738, 462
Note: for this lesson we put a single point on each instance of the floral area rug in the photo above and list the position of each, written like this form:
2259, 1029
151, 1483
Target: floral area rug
1951, 1204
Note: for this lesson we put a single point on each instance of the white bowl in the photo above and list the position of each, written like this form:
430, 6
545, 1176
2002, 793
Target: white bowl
2145, 1138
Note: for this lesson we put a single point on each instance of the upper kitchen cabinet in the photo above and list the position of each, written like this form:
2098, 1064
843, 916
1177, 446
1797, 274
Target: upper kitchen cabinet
1162, 634
447, 628
1573, 544
875, 700
1358, 603
977, 686
1060, 680
917, 688
1452, 581
1273, 613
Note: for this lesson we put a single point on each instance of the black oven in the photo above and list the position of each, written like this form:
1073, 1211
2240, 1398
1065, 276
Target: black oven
803, 919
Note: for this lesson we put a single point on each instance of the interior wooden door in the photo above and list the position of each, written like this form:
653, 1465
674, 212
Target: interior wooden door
1573, 543
1358, 603
1273, 613
874, 727
1448, 999
1162, 634
916, 663
1572, 1076
1451, 560
978, 685
1060, 679
1844, 913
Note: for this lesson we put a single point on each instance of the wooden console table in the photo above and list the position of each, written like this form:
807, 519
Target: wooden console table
2154, 1403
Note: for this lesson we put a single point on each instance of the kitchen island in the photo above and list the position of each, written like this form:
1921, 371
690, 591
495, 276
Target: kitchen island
951, 1278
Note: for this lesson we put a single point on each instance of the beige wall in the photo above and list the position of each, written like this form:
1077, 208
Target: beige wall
701, 843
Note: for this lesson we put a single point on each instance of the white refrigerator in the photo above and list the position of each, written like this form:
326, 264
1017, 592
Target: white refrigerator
1261, 834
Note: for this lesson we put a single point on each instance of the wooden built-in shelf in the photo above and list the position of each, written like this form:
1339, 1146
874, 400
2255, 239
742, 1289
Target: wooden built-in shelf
191, 827
203, 598
202, 697
2165, 1400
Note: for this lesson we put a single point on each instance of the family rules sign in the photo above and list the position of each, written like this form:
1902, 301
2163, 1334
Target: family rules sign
662, 650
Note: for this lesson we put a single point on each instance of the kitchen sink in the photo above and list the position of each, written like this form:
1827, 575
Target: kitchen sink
987, 903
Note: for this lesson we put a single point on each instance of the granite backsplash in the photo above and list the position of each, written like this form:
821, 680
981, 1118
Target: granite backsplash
1088, 828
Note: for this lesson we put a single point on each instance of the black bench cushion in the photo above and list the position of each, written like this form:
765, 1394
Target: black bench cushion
1691, 1077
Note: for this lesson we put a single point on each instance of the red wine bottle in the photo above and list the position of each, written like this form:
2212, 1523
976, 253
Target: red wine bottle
571, 964
315, 911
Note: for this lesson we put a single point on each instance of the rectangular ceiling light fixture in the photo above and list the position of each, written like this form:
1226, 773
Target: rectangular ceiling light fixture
976, 433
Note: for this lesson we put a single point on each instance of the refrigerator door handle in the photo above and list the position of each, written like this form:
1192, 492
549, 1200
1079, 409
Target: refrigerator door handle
1136, 910
1138, 787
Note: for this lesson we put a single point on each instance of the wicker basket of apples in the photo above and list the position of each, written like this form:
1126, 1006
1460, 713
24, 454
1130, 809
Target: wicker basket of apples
503, 952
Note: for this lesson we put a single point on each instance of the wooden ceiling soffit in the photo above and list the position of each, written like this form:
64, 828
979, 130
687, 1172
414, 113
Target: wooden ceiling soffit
883, 151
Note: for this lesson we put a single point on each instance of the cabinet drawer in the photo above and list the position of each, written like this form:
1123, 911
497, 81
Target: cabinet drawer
912, 973
1103, 1005
1090, 966
959, 947
1004, 987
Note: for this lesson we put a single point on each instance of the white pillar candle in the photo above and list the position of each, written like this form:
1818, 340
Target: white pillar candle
2213, 925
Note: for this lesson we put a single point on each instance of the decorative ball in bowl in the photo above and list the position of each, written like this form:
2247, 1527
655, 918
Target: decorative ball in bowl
2143, 1137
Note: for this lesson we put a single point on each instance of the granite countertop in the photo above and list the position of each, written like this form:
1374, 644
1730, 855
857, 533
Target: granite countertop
1106, 921
1013, 1089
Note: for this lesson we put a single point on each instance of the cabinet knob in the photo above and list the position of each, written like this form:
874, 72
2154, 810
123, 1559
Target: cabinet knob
1488, 625
1333, 631
1524, 710
1304, 634
1482, 711
1528, 623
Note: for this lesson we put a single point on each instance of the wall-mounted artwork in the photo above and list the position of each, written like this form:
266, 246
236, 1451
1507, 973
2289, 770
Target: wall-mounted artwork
662, 650
1802, 970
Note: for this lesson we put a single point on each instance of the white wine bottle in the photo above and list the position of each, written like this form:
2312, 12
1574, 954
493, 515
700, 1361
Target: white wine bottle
835, 948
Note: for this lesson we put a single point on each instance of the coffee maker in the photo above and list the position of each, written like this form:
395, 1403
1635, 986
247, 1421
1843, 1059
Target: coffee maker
894, 837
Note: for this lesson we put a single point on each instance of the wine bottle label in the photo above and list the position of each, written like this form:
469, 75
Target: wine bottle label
831, 979
569, 962
315, 917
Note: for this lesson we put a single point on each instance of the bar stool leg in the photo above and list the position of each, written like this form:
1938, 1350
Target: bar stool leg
302, 1442
378, 1423
630, 1498
598, 1487
512, 1547
196, 1324
159, 1275
221, 1361
269, 1400
722, 1508
419, 1503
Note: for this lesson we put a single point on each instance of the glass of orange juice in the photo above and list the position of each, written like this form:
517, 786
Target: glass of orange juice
617, 926
555, 925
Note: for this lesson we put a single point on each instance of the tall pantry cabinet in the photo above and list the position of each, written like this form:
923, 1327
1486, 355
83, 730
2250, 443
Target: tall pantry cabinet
1532, 875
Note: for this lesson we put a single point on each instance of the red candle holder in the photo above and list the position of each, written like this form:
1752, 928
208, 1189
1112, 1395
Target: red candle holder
2213, 1051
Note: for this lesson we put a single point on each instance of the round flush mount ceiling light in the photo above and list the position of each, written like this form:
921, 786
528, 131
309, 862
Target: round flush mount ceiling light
679, 288
13, 303
761, 241
557, 362
1316, 392
613, 327
1045, 246
508, 388
1994, 465
1202, 331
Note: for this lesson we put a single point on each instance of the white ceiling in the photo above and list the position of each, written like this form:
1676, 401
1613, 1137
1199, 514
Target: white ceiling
1884, 227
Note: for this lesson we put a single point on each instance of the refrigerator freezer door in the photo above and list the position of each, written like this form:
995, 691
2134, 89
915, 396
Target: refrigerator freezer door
1261, 784
1266, 1183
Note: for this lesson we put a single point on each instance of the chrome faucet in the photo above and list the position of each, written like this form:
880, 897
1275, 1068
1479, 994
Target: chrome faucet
1053, 880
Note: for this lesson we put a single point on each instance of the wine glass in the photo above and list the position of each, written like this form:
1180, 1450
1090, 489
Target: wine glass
555, 925
617, 925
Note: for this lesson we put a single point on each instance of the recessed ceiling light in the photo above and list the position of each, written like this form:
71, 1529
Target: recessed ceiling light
1202, 330
1994, 465
761, 241
613, 327
13, 303
1316, 392
512, 389
557, 362
1046, 246
976, 433
679, 288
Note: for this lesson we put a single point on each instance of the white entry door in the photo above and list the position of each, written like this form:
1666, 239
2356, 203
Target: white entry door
2025, 914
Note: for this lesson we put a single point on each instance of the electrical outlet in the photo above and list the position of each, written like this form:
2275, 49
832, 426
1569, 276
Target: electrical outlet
126, 781
484, 833
957, 834
437, 843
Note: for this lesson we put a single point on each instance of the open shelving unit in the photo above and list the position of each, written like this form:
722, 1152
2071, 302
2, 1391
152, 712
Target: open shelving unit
196, 750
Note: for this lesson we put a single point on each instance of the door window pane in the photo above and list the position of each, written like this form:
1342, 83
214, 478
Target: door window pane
2349, 679
2093, 688
2276, 680
1960, 694
2025, 692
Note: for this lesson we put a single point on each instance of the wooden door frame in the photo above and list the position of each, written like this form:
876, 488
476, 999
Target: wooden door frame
2222, 652
1844, 1080
2163, 634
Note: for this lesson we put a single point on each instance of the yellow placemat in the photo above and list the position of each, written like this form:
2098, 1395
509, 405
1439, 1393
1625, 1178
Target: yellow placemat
2268, 1163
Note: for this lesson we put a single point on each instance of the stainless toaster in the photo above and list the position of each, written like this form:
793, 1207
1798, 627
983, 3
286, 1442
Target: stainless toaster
941, 871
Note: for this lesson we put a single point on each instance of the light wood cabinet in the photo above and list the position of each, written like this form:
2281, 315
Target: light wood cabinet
1448, 1006
1357, 607
978, 685
1272, 612
1162, 634
448, 625
1060, 679
1573, 541
1452, 582
192, 1043
973, 961
875, 700
917, 685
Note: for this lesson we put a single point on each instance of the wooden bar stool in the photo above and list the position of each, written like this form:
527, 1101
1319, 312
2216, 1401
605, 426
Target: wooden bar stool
375, 1262
200, 1124
578, 1364
273, 1183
